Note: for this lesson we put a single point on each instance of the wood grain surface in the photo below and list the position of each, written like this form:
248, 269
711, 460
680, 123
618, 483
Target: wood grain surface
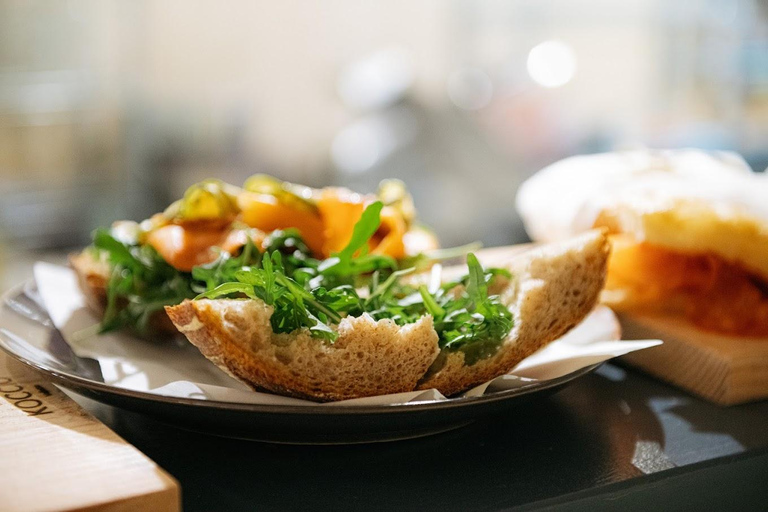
723, 369
55, 456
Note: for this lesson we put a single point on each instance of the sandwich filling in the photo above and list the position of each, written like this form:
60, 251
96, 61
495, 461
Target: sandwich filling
691, 231
153, 264
312, 294
213, 214
714, 294
312, 262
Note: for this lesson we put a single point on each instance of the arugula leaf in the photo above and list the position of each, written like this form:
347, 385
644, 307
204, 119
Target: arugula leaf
430, 303
269, 278
303, 296
380, 292
223, 269
345, 263
308, 293
117, 252
295, 253
475, 322
141, 283
322, 330
228, 289
476, 288
364, 229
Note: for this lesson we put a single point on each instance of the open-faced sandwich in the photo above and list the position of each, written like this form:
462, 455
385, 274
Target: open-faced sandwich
689, 232
315, 294
133, 270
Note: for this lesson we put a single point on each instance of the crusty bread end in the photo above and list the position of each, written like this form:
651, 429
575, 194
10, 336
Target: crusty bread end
555, 286
92, 277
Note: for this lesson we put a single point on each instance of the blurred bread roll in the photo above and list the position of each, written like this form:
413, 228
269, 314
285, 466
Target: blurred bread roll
689, 231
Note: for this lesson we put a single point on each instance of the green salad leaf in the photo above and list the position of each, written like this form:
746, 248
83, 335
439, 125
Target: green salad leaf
223, 269
316, 294
140, 284
308, 293
354, 259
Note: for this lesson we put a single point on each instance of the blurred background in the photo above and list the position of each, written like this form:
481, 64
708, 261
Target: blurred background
109, 109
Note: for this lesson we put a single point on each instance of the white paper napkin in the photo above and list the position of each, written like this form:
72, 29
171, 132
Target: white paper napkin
176, 368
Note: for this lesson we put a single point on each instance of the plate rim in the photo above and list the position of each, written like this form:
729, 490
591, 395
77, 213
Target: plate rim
65, 378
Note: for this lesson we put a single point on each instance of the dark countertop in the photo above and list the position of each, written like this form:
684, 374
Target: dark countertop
614, 439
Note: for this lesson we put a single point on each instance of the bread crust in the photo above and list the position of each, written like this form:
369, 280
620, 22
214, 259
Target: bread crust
92, 278
555, 287
682, 200
368, 358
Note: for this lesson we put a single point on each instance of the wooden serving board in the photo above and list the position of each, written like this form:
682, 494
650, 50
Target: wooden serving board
55, 456
722, 369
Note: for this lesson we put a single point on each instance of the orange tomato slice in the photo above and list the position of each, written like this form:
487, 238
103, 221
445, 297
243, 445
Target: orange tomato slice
340, 210
715, 294
266, 213
185, 247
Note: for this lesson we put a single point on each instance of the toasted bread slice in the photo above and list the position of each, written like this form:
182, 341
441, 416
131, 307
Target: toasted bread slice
554, 288
369, 357
92, 277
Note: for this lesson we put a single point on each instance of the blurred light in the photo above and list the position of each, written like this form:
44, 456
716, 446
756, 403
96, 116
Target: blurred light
367, 142
378, 80
551, 64
470, 88
358, 147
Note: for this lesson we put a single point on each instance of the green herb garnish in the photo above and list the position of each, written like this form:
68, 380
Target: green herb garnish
315, 294
354, 259
309, 293
223, 268
140, 284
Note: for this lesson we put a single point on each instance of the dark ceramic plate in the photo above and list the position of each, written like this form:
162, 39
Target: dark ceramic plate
27, 334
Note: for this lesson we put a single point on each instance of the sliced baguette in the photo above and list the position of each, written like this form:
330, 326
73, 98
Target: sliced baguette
369, 357
555, 286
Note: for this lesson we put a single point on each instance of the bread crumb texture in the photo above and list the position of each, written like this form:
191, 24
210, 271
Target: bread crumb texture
369, 357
